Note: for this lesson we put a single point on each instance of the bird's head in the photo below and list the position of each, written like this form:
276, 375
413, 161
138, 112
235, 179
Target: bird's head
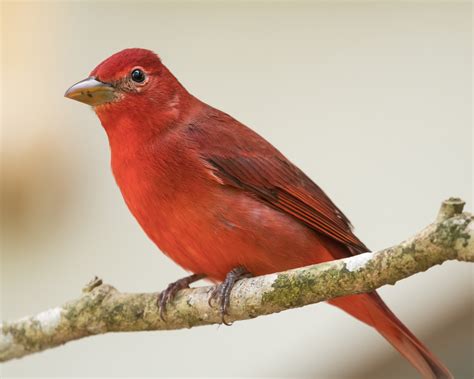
129, 81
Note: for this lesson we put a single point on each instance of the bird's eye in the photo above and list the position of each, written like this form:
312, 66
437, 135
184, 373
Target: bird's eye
138, 75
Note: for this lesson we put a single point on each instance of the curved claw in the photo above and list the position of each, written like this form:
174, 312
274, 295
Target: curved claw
170, 292
222, 292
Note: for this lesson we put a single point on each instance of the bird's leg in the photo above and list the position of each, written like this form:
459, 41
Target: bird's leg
173, 288
222, 291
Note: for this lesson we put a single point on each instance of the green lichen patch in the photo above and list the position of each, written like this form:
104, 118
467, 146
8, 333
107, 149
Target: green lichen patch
451, 232
293, 290
287, 291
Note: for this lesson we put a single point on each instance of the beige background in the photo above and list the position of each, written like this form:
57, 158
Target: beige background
372, 100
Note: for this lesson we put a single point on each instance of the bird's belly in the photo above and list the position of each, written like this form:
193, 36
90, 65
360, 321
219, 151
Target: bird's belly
211, 229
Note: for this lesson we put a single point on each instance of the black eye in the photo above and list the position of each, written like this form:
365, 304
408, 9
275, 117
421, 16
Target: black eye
138, 76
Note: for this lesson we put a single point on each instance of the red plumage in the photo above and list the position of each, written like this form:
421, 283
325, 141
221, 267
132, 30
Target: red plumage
214, 195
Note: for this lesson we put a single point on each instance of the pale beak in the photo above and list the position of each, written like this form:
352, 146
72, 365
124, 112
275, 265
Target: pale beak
92, 92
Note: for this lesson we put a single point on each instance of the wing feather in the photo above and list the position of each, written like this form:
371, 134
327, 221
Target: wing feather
241, 158
288, 189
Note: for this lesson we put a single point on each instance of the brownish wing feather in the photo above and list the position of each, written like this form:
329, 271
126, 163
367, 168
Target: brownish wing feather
241, 158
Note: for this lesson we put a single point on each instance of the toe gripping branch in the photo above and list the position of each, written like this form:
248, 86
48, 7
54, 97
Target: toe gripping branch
170, 292
221, 294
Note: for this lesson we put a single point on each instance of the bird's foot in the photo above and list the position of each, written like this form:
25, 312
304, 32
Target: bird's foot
222, 291
173, 288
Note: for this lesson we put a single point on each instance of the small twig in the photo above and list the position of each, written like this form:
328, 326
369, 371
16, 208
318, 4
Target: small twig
449, 208
102, 309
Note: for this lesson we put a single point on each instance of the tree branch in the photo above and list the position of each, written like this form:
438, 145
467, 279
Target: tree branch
102, 309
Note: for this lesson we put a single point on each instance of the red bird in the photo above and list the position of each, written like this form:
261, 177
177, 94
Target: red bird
216, 197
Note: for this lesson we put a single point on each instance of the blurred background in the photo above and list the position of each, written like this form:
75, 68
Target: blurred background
372, 100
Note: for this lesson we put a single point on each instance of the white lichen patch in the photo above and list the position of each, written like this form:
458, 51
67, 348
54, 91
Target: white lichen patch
359, 261
49, 319
6, 340
8, 347
470, 226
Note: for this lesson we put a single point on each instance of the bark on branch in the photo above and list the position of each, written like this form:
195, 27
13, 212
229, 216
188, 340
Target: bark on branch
102, 309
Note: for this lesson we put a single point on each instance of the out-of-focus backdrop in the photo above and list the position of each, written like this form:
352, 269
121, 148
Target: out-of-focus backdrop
372, 100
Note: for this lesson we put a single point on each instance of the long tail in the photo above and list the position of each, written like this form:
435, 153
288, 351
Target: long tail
371, 309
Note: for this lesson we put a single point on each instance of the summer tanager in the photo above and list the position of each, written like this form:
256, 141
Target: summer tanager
216, 197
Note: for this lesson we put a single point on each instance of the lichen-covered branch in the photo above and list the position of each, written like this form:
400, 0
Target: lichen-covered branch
103, 309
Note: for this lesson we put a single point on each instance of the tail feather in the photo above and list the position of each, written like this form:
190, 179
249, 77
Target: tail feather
370, 309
